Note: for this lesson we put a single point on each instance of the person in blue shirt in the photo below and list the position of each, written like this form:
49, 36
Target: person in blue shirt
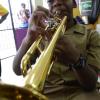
23, 16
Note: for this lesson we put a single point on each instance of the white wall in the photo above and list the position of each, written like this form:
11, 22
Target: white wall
37, 2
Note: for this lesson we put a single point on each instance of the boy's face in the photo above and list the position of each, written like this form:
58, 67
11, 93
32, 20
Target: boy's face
23, 6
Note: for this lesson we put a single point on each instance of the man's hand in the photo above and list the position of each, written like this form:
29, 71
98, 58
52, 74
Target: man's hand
37, 24
66, 50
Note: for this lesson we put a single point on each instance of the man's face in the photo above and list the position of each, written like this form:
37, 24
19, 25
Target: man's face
60, 7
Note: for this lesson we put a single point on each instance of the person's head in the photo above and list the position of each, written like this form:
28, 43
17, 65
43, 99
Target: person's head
23, 5
61, 7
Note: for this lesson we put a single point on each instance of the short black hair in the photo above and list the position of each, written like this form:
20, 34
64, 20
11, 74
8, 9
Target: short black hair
23, 4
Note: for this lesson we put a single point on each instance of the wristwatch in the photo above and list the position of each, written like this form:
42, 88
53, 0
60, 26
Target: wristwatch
81, 63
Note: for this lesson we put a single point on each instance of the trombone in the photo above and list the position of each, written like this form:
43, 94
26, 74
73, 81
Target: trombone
35, 78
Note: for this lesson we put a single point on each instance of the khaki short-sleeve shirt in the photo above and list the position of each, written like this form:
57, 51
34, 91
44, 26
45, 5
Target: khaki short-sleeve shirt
60, 84
88, 42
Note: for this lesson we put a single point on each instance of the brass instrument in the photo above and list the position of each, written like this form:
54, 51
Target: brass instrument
36, 75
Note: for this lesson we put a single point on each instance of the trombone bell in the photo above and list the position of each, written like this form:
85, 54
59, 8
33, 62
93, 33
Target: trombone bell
11, 92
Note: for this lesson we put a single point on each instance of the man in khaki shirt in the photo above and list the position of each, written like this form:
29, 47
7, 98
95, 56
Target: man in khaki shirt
74, 73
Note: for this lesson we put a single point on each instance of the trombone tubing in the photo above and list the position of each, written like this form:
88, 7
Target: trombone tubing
36, 77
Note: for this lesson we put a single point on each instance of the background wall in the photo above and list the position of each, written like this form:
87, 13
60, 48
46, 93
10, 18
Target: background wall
37, 2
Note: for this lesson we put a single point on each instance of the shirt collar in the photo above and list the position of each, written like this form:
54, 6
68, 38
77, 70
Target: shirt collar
79, 28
